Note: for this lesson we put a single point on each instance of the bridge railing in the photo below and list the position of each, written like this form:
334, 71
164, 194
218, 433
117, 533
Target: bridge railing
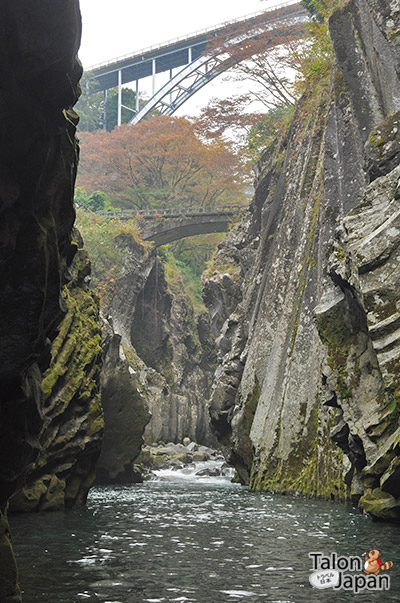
172, 212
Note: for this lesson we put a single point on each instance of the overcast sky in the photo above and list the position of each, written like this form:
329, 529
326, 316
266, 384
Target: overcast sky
112, 29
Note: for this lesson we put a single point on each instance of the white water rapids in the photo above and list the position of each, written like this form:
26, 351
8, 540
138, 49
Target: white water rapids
191, 473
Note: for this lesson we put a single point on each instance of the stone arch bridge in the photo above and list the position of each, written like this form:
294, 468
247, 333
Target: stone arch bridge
166, 225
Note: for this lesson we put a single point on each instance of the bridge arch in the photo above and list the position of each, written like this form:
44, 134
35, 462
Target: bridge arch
173, 230
166, 225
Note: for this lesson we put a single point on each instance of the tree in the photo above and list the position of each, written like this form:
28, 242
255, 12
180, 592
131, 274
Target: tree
97, 201
265, 56
282, 62
160, 162
316, 8
97, 113
271, 126
128, 97
80, 197
226, 116
90, 106
107, 242
314, 58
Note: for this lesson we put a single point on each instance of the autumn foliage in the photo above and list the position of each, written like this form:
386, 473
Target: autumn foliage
160, 162
262, 51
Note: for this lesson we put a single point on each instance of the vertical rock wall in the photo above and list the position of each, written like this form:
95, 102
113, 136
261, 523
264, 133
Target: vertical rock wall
125, 410
306, 396
38, 159
176, 347
72, 431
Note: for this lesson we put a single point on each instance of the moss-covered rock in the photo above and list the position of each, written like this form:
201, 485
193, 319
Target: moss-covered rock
38, 160
380, 505
125, 410
383, 146
266, 399
73, 419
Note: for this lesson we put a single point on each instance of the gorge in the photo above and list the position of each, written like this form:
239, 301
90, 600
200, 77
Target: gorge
297, 358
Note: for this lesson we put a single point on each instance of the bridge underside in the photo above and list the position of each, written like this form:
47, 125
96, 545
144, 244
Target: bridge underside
170, 232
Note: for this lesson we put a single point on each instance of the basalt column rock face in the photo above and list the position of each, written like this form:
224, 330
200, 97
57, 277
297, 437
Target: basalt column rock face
123, 394
266, 406
363, 298
306, 395
38, 158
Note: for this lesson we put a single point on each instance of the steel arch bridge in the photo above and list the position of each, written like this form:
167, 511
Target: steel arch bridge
198, 65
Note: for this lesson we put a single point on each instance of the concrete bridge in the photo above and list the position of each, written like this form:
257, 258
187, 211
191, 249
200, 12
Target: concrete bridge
166, 225
198, 65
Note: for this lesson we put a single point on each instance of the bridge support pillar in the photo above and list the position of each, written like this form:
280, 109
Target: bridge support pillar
153, 73
119, 118
105, 109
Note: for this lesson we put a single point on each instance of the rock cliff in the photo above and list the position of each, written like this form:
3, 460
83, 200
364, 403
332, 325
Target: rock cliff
72, 431
158, 368
306, 288
42, 271
125, 410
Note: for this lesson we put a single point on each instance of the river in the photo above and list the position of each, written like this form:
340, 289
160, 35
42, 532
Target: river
187, 539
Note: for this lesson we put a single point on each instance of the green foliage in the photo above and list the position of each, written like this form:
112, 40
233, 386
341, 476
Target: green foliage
274, 123
97, 112
107, 242
315, 8
185, 261
315, 59
80, 197
180, 276
312, 61
321, 10
128, 100
97, 201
